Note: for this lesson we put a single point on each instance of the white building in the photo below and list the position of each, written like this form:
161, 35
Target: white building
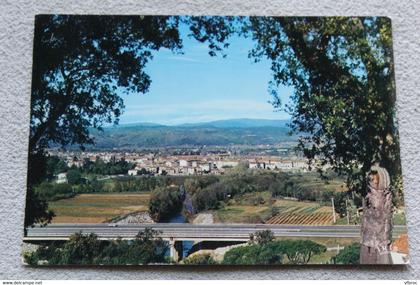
132, 172
61, 178
285, 165
271, 166
183, 163
256, 164
77, 163
206, 167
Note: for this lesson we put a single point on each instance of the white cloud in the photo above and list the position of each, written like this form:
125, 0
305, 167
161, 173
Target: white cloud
183, 58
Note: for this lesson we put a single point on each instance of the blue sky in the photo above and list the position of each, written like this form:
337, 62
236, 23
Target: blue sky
194, 87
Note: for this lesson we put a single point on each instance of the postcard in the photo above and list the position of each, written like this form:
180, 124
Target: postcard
225, 140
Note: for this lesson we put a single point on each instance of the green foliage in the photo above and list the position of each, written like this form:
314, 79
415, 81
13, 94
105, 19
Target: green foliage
256, 254
262, 237
54, 166
192, 185
342, 72
146, 248
304, 187
95, 185
200, 259
36, 210
236, 183
122, 184
300, 251
140, 184
44, 254
165, 202
340, 202
207, 199
349, 255
52, 191
79, 249
273, 252
397, 189
150, 246
74, 176
81, 65
87, 58
107, 168
143, 171
77, 185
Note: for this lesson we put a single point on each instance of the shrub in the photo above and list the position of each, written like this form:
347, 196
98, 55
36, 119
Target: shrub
256, 254
262, 237
200, 259
51, 191
164, 203
74, 176
273, 252
349, 255
300, 251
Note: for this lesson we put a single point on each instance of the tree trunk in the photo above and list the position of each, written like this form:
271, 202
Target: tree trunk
376, 230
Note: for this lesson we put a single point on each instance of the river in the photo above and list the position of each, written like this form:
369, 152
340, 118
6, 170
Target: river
181, 219
186, 244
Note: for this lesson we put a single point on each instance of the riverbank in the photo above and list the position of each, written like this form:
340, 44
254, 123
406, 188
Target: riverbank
135, 218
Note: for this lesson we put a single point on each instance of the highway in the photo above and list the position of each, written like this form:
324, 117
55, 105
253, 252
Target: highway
216, 232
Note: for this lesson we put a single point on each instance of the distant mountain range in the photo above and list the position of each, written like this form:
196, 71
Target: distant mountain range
240, 123
231, 123
214, 133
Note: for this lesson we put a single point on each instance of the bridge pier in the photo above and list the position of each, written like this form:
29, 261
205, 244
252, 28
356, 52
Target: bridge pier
175, 250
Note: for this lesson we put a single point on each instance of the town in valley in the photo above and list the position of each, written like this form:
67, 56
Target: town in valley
187, 162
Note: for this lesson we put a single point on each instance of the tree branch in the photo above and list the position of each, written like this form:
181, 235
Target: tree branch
54, 114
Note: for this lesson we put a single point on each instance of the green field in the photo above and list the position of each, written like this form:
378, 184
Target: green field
98, 207
241, 214
312, 180
260, 207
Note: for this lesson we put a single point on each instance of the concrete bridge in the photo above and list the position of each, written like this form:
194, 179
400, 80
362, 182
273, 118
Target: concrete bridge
176, 233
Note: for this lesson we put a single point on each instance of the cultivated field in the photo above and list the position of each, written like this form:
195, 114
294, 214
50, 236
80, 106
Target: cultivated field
301, 213
244, 210
98, 208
